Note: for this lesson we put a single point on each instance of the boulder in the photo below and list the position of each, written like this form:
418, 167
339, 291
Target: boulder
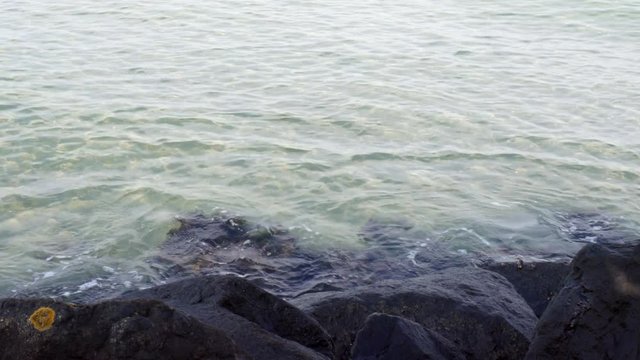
536, 281
478, 310
387, 337
139, 329
263, 325
596, 315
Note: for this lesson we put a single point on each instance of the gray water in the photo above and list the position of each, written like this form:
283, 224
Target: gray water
478, 122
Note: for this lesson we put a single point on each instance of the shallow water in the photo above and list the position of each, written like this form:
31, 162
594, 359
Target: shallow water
481, 124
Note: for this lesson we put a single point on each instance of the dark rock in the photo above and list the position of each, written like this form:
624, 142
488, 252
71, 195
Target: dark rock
596, 315
536, 281
263, 325
387, 337
140, 329
478, 310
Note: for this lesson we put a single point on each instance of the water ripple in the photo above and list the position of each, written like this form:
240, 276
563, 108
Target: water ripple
457, 115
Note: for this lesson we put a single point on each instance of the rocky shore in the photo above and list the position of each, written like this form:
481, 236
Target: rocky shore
283, 302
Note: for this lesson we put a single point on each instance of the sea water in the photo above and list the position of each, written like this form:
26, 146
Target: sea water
483, 124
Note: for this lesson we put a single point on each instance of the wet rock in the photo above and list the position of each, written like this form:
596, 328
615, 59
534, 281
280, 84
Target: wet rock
166, 269
387, 337
379, 231
140, 329
320, 287
478, 310
263, 325
435, 257
596, 315
536, 281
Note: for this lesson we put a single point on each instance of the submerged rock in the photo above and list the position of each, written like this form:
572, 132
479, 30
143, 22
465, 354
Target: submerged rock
139, 329
263, 325
478, 310
390, 233
593, 228
271, 257
387, 337
596, 315
213, 233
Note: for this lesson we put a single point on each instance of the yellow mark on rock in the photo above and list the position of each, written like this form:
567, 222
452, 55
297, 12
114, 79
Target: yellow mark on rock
42, 319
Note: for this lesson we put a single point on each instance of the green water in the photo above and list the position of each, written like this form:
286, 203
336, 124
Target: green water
475, 121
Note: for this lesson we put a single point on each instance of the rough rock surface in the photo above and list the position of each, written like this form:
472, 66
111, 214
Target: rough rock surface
537, 282
140, 329
263, 325
597, 313
387, 337
478, 310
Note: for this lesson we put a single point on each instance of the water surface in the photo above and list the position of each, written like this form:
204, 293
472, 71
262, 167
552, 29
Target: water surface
478, 122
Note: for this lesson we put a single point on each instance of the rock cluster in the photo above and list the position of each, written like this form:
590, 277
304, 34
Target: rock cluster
477, 310
586, 309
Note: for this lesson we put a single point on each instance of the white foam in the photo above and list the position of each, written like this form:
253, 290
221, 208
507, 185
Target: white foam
88, 285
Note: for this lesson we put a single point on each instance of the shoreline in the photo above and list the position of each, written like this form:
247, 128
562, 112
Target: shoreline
452, 309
